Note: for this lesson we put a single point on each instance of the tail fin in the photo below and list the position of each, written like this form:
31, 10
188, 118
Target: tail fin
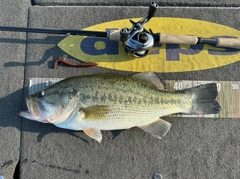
204, 99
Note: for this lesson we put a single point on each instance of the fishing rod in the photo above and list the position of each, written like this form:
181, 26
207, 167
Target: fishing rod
137, 41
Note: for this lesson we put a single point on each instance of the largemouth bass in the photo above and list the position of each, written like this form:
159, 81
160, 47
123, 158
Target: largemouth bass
111, 102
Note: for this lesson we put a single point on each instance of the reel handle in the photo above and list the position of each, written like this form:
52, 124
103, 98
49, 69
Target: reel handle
152, 9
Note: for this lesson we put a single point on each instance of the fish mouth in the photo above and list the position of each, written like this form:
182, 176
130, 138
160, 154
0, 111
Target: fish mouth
33, 112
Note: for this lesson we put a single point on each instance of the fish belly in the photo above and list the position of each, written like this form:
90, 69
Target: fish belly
122, 118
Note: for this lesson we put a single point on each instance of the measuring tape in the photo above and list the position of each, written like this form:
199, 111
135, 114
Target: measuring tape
228, 94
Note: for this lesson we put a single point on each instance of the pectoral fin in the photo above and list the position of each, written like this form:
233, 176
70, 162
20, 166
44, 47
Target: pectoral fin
94, 133
95, 112
157, 129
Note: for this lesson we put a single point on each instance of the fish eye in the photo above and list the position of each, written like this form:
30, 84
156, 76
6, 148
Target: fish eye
40, 94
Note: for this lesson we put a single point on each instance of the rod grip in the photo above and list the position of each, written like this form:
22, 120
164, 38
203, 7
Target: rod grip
228, 42
114, 35
177, 39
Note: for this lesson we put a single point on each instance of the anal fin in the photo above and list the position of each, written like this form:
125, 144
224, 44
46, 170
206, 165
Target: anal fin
94, 133
157, 129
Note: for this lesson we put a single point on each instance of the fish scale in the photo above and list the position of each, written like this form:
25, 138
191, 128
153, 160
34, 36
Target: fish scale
112, 102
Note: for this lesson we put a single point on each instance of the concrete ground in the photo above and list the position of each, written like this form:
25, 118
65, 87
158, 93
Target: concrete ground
194, 148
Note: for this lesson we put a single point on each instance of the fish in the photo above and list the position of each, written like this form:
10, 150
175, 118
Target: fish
93, 103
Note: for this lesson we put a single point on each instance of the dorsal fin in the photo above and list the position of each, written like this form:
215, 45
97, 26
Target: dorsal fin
151, 78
